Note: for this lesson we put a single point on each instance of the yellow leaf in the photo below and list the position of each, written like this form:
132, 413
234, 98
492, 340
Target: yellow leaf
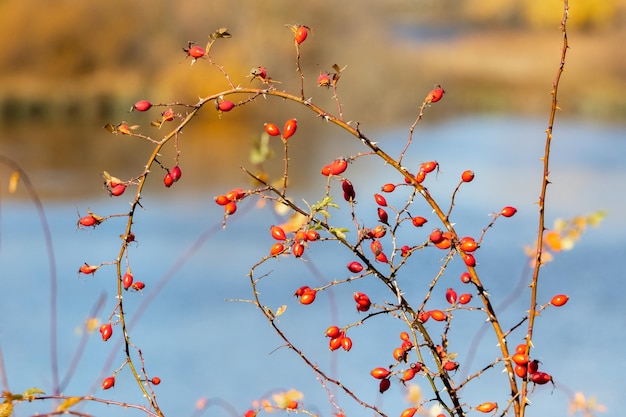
13, 180
281, 310
553, 240
6, 408
71, 401
414, 395
560, 224
92, 324
281, 209
294, 223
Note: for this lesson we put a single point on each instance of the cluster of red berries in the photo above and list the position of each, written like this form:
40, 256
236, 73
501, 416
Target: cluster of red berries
115, 186
306, 294
527, 368
400, 354
289, 129
230, 200
172, 176
299, 241
338, 339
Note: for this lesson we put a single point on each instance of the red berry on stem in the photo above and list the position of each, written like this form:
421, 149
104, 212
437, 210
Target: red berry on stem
388, 188
138, 286
176, 173
326, 172
346, 343
445, 242
168, 180
380, 200
508, 211
380, 373
559, 300
541, 378
106, 330
195, 52
383, 216
235, 194
290, 128
308, 296
486, 407
167, 115
335, 343
437, 315
521, 371
297, 249
127, 280
363, 302
418, 221
88, 221
429, 167
278, 233
221, 200
312, 235
436, 236
408, 375
468, 244
469, 259
301, 33
142, 105
521, 348
467, 176
272, 129
466, 278
348, 190
399, 354
520, 359
333, 331
276, 249
155, 380
323, 80
117, 190
108, 382
338, 166
409, 412
384, 385
225, 105
88, 269
450, 366
465, 298
435, 95
451, 296
230, 208
355, 267
381, 257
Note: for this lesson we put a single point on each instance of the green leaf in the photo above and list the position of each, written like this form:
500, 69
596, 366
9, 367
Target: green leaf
324, 213
324, 203
339, 232
30, 393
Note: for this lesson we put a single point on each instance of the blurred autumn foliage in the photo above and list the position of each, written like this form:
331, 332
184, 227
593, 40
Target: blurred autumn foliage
86, 59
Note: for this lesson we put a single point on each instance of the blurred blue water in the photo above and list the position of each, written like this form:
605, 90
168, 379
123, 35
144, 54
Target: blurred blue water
204, 346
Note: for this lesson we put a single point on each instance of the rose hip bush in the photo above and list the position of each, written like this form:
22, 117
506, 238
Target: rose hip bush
407, 223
